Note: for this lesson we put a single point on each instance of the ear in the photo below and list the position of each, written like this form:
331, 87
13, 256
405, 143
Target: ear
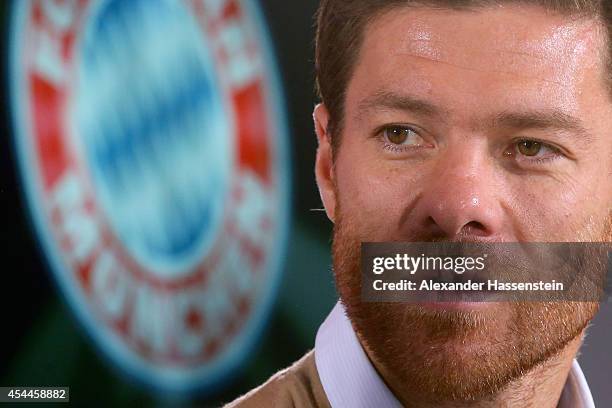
324, 170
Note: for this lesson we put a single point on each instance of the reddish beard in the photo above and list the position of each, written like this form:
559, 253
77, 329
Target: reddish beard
453, 355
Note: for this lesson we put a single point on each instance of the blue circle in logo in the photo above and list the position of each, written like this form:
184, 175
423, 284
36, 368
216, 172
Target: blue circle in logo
154, 131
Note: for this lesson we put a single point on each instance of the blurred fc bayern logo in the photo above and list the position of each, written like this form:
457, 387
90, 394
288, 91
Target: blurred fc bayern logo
152, 145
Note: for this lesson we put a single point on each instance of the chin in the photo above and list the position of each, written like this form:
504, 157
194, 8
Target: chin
463, 351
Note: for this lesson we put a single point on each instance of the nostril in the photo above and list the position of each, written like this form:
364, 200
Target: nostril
439, 231
473, 228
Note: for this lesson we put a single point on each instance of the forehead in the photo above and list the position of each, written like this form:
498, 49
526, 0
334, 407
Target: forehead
494, 55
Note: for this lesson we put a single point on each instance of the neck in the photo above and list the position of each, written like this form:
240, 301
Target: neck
540, 387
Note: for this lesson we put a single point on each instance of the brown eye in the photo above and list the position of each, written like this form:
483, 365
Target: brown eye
529, 148
401, 135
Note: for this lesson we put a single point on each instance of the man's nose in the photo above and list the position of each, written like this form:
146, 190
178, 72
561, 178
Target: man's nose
461, 198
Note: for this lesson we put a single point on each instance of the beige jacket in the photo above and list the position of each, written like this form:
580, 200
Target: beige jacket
298, 386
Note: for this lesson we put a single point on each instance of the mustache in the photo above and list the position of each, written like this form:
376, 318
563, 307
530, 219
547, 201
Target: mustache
423, 236
595, 231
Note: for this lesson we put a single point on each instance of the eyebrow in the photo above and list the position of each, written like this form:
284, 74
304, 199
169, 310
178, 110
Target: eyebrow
553, 119
542, 120
385, 100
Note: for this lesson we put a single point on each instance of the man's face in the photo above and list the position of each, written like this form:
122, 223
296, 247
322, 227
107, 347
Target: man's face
486, 125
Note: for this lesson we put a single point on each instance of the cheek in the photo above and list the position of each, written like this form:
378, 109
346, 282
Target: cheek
373, 196
557, 210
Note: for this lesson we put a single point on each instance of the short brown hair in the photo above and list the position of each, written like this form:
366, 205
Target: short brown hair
341, 23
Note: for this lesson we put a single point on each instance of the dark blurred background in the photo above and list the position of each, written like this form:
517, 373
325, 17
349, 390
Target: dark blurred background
43, 345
